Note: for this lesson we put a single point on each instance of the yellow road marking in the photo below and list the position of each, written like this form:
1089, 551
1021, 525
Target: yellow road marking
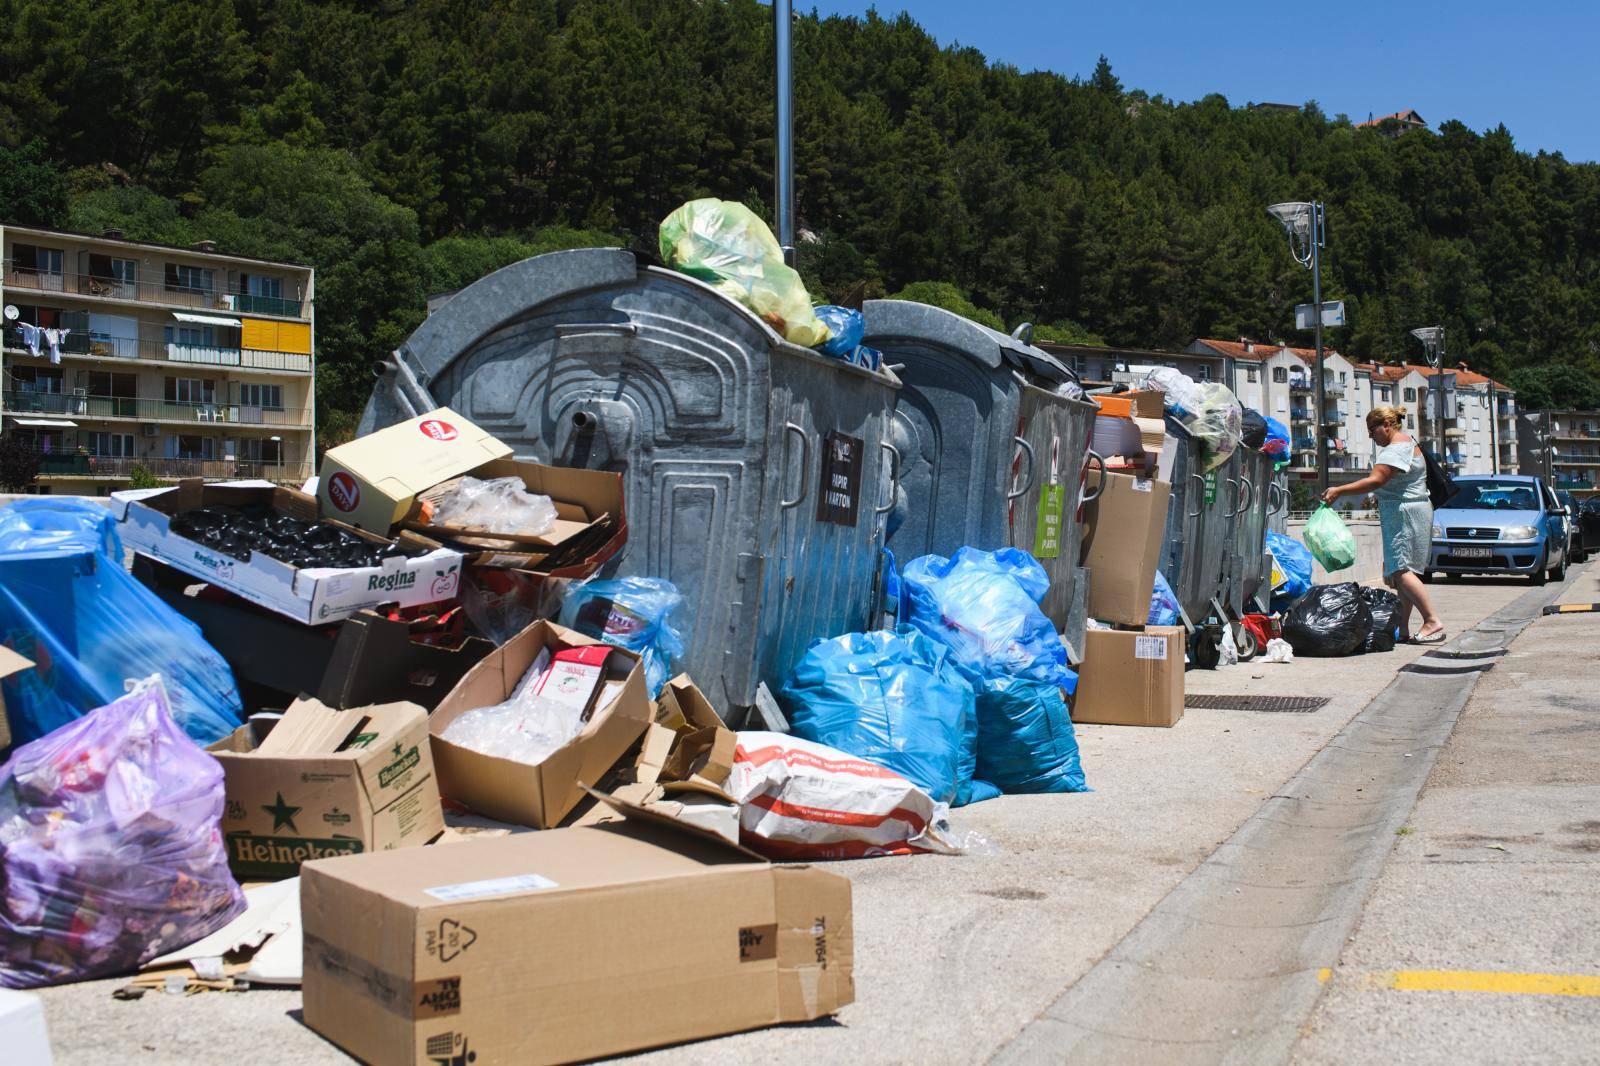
1518, 984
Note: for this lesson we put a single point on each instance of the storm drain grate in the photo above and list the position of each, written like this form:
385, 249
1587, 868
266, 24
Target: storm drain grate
1289, 704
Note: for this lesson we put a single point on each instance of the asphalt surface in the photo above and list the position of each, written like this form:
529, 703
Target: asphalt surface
955, 956
1494, 880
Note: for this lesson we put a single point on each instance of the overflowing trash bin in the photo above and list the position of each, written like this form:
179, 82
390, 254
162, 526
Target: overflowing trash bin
991, 435
759, 475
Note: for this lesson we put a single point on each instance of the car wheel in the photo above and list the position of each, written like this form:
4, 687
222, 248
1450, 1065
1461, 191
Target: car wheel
1539, 577
1559, 572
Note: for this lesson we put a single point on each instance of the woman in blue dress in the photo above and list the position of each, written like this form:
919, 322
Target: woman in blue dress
1399, 479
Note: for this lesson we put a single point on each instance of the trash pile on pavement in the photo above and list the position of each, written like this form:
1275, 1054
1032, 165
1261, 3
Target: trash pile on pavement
443, 675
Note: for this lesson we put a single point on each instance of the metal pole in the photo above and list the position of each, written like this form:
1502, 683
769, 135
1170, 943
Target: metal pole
783, 26
1316, 311
1494, 437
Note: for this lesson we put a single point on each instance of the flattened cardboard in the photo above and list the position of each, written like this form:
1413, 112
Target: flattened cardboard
568, 945
538, 796
372, 482
1131, 677
312, 596
1122, 536
327, 782
10, 663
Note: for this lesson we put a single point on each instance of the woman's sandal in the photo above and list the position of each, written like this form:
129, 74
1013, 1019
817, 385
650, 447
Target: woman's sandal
1431, 638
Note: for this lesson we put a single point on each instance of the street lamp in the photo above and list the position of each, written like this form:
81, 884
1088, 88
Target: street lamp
1432, 338
783, 164
1307, 237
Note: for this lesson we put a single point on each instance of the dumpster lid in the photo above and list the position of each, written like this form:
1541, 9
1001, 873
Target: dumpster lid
887, 320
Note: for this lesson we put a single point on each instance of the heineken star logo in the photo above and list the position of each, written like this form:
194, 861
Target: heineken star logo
398, 751
282, 814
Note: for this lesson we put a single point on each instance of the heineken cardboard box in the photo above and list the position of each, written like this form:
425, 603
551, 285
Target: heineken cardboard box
324, 783
568, 945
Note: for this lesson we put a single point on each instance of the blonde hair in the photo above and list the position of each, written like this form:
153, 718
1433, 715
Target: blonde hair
1384, 416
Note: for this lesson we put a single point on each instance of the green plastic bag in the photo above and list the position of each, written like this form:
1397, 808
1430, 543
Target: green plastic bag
1330, 540
726, 245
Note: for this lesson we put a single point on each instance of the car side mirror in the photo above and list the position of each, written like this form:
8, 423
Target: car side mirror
1561, 512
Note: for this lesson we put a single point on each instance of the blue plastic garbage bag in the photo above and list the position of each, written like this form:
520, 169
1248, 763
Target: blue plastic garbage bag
1163, 604
1294, 559
631, 613
1025, 738
892, 698
67, 603
1277, 443
985, 606
847, 328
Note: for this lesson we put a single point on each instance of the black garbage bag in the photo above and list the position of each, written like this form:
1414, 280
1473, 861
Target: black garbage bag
1385, 608
1252, 429
1328, 621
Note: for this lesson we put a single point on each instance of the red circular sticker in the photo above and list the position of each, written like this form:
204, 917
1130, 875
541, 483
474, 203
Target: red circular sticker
437, 429
344, 492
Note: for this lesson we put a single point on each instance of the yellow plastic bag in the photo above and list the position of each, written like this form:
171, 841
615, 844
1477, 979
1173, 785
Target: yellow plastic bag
728, 246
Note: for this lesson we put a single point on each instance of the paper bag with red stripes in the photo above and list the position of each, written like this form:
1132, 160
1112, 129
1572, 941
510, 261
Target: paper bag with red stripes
799, 800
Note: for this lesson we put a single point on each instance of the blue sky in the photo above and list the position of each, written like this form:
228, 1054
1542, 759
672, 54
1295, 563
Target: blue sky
1531, 64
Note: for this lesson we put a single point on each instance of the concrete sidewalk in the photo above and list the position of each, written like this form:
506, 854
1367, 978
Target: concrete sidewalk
1494, 882
954, 956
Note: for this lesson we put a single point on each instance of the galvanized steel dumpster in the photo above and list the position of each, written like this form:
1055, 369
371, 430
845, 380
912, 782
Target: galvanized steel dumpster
990, 454
757, 473
1250, 531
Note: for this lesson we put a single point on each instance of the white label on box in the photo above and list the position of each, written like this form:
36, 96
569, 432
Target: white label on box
1149, 647
496, 886
1141, 484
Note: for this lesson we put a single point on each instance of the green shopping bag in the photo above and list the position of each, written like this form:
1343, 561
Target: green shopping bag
1330, 540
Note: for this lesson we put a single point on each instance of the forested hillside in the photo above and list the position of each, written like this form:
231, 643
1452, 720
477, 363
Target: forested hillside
404, 147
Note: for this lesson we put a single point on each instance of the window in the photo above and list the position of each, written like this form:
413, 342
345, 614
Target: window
192, 279
1341, 377
1283, 405
1251, 374
268, 396
122, 386
1280, 374
1411, 422
1477, 451
1411, 396
260, 450
36, 379
191, 390
111, 445
271, 288
1475, 424
185, 446
192, 336
32, 259
1202, 373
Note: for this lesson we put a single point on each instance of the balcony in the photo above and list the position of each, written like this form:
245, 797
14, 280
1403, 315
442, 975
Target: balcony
136, 409
107, 468
102, 346
1576, 459
227, 298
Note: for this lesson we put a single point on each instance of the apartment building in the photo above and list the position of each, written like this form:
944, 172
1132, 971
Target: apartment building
1562, 446
1479, 430
121, 355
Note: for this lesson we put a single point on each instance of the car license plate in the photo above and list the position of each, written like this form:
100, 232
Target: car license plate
1473, 553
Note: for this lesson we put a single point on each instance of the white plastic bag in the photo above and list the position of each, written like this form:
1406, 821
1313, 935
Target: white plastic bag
543, 713
1182, 391
1279, 651
498, 505
799, 800
1228, 651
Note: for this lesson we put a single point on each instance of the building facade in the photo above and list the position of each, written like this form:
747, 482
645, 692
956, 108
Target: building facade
121, 356
1563, 447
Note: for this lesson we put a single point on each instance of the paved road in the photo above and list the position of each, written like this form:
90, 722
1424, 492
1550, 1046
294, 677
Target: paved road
1487, 916
955, 956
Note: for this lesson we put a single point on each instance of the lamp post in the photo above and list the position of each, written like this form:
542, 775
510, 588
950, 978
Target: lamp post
783, 164
1307, 238
1432, 338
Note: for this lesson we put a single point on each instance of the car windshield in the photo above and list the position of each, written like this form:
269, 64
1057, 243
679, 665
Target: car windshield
1494, 496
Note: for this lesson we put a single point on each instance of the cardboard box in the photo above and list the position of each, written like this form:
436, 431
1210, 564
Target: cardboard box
590, 517
311, 596
326, 782
1122, 537
1131, 677
568, 945
366, 659
540, 795
10, 663
1140, 403
372, 482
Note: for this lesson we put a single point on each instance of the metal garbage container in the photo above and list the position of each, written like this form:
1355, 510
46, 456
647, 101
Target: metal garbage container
991, 454
1255, 476
1193, 557
757, 474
